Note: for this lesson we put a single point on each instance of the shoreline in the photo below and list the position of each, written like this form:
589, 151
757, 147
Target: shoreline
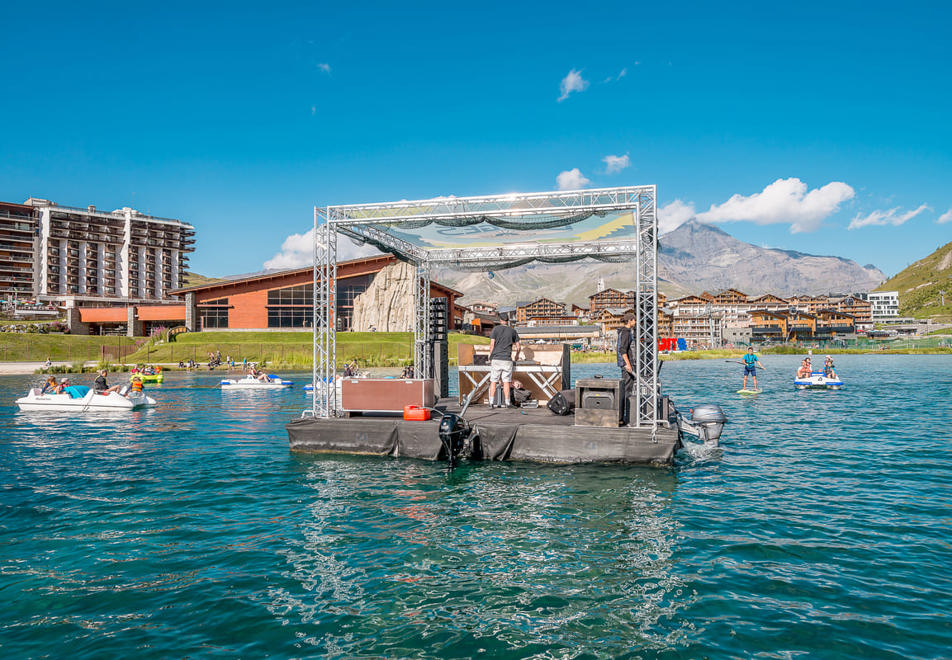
29, 368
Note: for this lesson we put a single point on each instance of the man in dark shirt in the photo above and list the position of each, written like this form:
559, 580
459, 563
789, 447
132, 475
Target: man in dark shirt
502, 340
101, 386
623, 353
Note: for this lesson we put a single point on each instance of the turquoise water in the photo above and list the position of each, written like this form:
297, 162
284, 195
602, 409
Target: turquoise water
820, 527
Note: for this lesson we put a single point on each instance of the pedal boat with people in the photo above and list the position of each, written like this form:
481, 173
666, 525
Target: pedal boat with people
79, 398
817, 381
251, 383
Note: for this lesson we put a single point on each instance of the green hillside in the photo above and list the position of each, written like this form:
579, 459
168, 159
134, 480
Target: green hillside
919, 286
194, 279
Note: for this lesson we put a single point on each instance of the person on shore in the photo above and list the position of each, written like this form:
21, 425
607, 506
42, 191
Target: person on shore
501, 358
351, 370
623, 359
48, 363
805, 369
408, 372
828, 369
751, 362
101, 386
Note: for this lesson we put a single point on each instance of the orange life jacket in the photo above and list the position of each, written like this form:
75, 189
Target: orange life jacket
137, 386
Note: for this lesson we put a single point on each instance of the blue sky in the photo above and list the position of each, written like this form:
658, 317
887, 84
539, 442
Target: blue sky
239, 118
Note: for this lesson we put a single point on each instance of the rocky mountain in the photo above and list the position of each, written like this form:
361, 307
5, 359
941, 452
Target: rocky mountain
694, 257
925, 287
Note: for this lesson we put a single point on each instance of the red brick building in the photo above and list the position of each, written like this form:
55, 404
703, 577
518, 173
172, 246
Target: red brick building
283, 300
280, 300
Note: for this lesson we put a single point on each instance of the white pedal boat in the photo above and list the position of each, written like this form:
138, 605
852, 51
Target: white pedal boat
251, 383
817, 381
88, 402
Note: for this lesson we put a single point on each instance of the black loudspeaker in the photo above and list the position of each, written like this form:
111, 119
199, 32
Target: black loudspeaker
438, 346
563, 403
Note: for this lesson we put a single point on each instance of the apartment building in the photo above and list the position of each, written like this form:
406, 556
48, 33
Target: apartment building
884, 305
85, 256
540, 310
610, 298
18, 251
701, 331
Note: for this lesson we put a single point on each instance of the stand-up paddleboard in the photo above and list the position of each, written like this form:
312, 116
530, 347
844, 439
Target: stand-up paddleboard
749, 391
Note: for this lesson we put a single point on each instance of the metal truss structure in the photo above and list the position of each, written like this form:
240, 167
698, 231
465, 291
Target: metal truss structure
370, 223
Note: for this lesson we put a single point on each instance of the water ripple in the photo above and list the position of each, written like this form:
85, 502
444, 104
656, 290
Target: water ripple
820, 527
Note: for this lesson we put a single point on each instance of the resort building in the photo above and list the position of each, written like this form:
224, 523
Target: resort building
540, 310
860, 310
284, 300
795, 325
884, 305
609, 298
18, 248
703, 331
281, 300
84, 256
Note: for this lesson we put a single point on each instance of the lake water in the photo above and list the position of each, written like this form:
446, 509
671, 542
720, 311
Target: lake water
821, 526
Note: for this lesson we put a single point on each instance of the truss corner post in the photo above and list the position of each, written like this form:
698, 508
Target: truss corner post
421, 320
646, 309
324, 319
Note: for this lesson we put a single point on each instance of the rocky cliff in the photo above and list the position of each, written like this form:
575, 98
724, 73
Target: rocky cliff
387, 304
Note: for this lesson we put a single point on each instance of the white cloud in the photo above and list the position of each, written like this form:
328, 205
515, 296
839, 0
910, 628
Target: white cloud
615, 163
673, 215
783, 201
622, 73
324, 66
297, 251
572, 179
572, 82
945, 217
889, 217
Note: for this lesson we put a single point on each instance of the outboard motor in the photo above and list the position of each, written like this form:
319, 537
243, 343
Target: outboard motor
454, 432
707, 421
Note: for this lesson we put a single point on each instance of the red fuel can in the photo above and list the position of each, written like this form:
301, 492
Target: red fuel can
416, 413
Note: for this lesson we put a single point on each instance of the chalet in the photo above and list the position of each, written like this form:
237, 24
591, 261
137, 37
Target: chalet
730, 297
610, 298
543, 308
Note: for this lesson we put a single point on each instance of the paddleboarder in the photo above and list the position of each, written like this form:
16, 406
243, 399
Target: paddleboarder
751, 362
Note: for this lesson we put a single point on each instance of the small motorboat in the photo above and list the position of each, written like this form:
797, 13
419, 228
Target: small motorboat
82, 399
817, 381
251, 383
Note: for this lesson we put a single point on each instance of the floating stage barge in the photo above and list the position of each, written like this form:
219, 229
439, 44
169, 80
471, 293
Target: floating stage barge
486, 234
506, 434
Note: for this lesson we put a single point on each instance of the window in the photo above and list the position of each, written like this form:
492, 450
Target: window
214, 314
291, 307
294, 295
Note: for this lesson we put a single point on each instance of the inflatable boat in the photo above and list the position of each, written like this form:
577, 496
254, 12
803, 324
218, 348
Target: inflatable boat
251, 383
81, 398
817, 381
148, 378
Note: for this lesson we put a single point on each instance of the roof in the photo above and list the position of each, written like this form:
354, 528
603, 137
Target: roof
608, 290
379, 260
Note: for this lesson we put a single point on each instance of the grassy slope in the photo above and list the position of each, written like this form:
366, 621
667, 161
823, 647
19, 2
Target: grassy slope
194, 279
292, 349
919, 285
15, 347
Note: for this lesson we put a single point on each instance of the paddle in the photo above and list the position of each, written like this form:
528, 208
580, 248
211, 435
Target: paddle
744, 363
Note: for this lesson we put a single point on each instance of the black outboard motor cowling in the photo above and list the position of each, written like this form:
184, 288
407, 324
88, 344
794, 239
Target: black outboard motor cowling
454, 432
